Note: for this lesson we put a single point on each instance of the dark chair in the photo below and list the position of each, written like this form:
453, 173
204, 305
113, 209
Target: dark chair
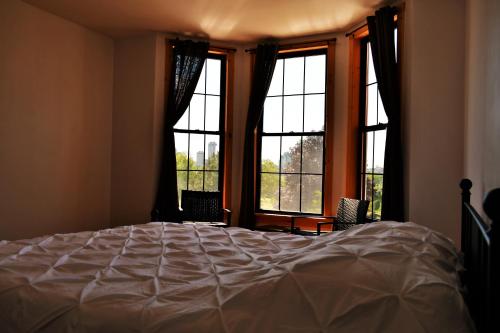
205, 207
349, 213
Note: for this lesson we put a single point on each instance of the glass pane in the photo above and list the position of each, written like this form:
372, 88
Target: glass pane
369, 152
377, 196
200, 87
183, 122
370, 73
371, 105
292, 114
269, 185
213, 113
272, 115
312, 194
294, 76
212, 152
270, 155
181, 183
211, 181
181, 150
276, 87
213, 76
382, 117
312, 150
314, 116
195, 181
290, 154
196, 154
315, 74
196, 114
368, 192
290, 193
378, 158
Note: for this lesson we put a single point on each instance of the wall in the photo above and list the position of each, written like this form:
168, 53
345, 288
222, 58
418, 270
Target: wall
434, 125
56, 82
482, 101
138, 102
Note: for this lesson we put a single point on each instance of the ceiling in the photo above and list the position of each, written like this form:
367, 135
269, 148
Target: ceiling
225, 20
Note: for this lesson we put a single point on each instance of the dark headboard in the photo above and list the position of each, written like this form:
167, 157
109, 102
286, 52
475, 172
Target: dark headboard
480, 245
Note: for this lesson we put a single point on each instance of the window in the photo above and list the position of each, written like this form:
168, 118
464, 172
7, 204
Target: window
290, 167
199, 134
373, 127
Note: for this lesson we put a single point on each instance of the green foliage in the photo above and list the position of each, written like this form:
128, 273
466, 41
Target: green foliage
375, 197
196, 174
312, 147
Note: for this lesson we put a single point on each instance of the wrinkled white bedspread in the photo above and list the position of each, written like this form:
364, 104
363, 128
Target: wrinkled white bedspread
165, 277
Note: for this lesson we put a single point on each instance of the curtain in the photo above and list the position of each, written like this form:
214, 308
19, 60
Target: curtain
381, 35
188, 60
265, 61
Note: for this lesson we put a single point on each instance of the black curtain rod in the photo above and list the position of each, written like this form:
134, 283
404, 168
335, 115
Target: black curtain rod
298, 43
229, 49
354, 30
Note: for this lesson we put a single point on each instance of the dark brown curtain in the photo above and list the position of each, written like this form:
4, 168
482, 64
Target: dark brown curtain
265, 61
187, 63
381, 31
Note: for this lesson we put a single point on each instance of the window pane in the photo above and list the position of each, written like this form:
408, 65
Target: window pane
370, 71
181, 183
314, 117
292, 114
181, 150
315, 74
183, 122
369, 152
311, 194
377, 196
211, 181
269, 184
212, 152
290, 193
213, 76
213, 112
276, 87
200, 87
195, 181
368, 192
294, 76
196, 154
378, 158
371, 105
270, 155
382, 117
196, 114
312, 150
290, 154
272, 115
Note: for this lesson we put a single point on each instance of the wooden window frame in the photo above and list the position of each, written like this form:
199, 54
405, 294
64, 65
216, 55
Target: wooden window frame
284, 219
227, 133
355, 156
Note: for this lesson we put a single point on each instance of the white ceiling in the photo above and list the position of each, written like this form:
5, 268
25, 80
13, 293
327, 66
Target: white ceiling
224, 20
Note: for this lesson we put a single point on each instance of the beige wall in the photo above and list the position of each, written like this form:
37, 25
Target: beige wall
56, 82
434, 125
138, 102
482, 99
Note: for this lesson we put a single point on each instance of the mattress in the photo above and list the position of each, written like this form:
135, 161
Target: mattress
166, 277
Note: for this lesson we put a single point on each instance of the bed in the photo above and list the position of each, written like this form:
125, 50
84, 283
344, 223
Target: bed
168, 277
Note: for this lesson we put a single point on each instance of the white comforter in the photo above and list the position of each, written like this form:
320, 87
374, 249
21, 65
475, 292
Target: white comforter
164, 277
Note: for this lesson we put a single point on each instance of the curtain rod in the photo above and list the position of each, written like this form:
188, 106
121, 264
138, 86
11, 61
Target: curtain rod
227, 49
355, 29
284, 46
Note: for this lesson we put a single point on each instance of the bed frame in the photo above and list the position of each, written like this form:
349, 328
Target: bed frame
481, 246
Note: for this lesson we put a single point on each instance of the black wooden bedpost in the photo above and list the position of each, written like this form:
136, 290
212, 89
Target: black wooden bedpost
465, 185
491, 206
